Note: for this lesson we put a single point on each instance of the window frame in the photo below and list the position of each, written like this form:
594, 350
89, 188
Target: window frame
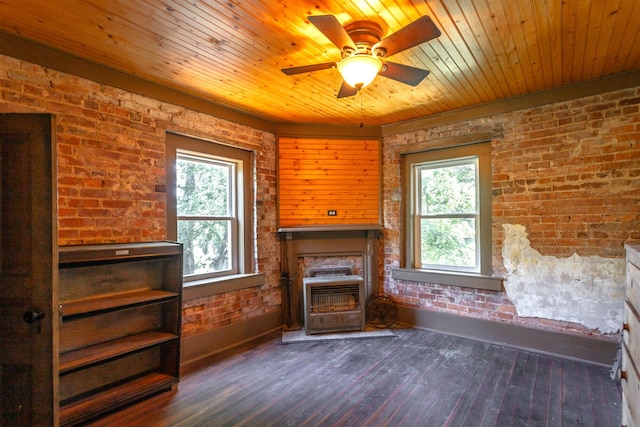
418, 215
234, 208
410, 257
191, 146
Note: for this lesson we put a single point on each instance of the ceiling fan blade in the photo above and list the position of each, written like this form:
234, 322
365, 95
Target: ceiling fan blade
419, 31
308, 68
403, 73
346, 90
331, 28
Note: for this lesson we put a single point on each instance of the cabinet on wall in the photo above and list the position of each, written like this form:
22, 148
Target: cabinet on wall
120, 317
630, 372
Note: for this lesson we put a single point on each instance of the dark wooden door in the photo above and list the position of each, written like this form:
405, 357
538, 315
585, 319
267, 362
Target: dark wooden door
28, 271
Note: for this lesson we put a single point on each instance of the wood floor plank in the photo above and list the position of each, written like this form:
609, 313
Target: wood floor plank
499, 392
339, 375
455, 395
365, 400
369, 393
330, 410
608, 394
468, 408
419, 378
422, 396
540, 393
556, 386
517, 402
416, 370
570, 401
283, 374
487, 390
337, 372
593, 409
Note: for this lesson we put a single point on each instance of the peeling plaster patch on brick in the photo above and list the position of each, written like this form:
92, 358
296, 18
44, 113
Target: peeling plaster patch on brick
585, 290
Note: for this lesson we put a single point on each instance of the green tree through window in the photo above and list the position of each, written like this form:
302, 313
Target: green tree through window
205, 213
448, 214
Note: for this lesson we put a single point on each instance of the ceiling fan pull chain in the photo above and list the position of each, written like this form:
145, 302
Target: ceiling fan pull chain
361, 110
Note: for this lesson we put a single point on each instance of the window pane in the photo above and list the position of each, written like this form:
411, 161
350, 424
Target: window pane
448, 190
207, 245
448, 241
203, 188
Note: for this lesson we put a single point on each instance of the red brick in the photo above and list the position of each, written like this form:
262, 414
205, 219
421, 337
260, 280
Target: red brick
565, 171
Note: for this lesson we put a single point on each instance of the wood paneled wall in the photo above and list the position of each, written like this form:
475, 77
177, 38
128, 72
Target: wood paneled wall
317, 175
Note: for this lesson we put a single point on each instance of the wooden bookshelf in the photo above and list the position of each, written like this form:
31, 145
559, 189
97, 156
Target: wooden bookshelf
101, 303
112, 398
119, 340
100, 352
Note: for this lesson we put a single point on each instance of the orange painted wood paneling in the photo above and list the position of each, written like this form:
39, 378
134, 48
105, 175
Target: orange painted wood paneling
316, 176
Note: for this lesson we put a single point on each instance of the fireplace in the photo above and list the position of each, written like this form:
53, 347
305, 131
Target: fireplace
333, 301
310, 301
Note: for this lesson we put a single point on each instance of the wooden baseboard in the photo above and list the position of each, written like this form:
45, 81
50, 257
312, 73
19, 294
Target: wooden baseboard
574, 347
199, 346
585, 349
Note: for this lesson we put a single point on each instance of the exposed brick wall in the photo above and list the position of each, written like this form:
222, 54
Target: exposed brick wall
204, 314
569, 172
111, 172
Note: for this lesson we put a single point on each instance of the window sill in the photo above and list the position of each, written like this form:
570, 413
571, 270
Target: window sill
221, 285
465, 280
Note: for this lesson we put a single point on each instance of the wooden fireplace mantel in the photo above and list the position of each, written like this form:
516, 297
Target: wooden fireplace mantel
324, 241
338, 227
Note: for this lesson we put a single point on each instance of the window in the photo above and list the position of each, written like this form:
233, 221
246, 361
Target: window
206, 214
447, 217
209, 207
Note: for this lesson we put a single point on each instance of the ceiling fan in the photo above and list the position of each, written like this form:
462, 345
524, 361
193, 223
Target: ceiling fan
364, 52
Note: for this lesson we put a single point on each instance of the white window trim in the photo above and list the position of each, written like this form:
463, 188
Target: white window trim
234, 209
417, 215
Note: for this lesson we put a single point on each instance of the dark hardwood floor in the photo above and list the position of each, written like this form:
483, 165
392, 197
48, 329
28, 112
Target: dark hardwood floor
419, 378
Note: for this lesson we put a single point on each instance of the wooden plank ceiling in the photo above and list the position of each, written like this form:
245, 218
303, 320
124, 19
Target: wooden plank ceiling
231, 51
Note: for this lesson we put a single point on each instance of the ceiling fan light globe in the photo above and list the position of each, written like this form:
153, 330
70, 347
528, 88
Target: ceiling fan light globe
358, 71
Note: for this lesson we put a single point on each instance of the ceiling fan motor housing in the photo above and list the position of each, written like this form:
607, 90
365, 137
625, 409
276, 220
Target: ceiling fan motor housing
365, 34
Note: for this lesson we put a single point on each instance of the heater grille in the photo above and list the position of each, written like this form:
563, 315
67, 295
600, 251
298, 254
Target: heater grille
334, 303
325, 299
